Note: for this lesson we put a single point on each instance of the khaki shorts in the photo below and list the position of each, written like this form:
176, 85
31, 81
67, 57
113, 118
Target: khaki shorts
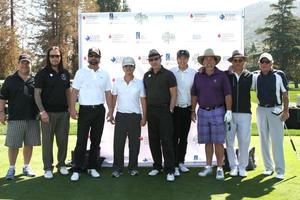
23, 131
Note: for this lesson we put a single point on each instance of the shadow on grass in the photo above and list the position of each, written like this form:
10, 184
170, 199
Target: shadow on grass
188, 186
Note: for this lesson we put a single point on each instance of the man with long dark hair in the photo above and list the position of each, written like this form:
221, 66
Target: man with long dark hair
52, 95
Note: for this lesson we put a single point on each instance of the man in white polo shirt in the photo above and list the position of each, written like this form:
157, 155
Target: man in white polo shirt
129, 94
182, 111
92, 86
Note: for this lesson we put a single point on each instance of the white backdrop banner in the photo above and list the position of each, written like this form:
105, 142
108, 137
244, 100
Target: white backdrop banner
134, 34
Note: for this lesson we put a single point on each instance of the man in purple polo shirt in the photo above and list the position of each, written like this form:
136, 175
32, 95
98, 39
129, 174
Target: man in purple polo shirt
211, 90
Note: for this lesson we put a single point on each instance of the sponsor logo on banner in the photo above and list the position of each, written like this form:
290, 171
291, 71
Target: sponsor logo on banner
117, 38
168, 37
141, 18
196, 36
117, 59
228, 17
169, 17
92, 38
168, 56
227, 37
111, 16
199, 17
91, 19
137, 35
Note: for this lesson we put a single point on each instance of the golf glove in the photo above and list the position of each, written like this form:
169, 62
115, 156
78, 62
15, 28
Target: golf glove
228, 116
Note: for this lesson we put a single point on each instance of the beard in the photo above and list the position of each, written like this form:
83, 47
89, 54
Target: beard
209, 66
94, 62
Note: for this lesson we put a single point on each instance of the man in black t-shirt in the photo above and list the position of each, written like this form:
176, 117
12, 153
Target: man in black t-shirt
22, 124
52, 95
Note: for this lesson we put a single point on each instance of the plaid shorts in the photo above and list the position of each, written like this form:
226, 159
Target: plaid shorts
211, 126
23, 131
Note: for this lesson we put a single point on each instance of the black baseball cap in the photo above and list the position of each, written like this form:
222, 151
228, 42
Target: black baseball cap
183, 52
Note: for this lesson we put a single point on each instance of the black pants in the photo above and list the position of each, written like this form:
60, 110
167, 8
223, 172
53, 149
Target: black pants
160, 132
127, 124
182, 124
90, 120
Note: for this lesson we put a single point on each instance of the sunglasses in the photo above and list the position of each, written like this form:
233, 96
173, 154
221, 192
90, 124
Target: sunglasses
237, 60
265, 61
153, 59
54, 56
128, 66
94, 55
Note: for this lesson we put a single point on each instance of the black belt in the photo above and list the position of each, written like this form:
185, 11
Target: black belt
92, 106
268, 105
210, 108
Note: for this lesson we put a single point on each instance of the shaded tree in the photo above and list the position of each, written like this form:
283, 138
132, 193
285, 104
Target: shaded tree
113, 6
283, 41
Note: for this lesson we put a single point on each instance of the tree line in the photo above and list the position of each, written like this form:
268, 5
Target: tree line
55, 22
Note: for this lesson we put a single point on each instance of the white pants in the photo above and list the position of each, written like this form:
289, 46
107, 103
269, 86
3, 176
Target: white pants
270, 129
240, 126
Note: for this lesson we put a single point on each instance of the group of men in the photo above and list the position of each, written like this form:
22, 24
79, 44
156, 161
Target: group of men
165, 99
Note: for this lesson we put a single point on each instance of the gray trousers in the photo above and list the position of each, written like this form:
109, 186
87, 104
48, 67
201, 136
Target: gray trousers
270, 128
58, 125
240, 127
126, 124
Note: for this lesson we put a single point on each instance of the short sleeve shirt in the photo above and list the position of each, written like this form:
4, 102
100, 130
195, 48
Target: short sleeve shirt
20, 97
92, 85
157, 86
211, 90
128, 95
54, 85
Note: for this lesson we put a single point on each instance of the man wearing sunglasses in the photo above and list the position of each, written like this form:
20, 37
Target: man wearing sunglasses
272, 90
52, 95
160, 85
92, 87
241, 82
22, 124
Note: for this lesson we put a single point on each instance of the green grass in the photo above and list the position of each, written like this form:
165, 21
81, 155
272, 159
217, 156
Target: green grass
189, 186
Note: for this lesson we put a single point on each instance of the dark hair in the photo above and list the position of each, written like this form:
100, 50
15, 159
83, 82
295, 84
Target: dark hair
48, 63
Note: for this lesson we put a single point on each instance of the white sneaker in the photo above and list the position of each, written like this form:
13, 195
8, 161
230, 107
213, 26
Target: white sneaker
48, 174
170, 177
207, 170
268, 172
183, 168
242, 173
27, 171
280, 176
176, 173
220, 174
233, 172
75, 176
93, 173
63, 170
154, 172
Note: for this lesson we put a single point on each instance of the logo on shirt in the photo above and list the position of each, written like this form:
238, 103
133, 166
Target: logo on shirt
63, 77
51, 75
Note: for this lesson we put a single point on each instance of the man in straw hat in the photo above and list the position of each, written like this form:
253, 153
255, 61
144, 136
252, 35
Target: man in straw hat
211, 90
272, 90
161, 91
241, 82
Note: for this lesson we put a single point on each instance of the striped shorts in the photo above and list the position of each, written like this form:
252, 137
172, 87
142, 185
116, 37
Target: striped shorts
23, 131
211, 126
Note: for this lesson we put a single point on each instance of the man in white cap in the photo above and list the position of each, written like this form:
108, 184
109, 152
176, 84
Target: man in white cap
129, 94
22, 124
212, 91
92, 87
241, 82
272, 90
